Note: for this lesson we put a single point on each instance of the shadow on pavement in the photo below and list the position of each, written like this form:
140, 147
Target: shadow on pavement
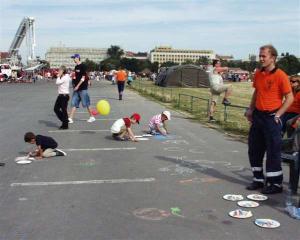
48, 123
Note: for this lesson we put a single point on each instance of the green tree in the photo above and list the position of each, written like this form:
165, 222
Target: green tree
115, 52
154, 67
109, 64
188, 61
168, 64
202, 61
130, 64
290, 64
91, 65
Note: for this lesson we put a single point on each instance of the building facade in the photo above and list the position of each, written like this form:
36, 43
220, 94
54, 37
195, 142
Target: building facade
57, 56
168, 54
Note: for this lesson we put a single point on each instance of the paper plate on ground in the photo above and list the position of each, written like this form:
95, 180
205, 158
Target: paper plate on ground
257, 197
248, 204
233, 197
142, 139
24, 160
239, 213
267, 223
147, 135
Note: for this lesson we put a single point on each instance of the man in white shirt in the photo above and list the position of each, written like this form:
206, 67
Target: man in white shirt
61, 104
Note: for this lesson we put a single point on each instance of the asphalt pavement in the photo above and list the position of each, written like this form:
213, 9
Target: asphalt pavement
159, 189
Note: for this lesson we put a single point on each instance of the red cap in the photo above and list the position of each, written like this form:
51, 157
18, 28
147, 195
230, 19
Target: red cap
137, 117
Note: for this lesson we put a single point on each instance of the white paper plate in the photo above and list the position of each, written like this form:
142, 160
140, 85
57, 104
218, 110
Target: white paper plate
143, 139
239, 213
25, 161
267, 223
147, 135
233, 197
257, 197
248, 204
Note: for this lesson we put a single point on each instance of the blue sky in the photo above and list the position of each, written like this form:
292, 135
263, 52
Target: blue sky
235, 27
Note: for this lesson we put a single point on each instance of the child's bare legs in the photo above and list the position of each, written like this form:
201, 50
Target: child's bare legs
73, 109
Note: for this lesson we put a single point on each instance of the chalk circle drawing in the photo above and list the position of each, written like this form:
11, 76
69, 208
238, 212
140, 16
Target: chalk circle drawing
178, 142
152, 214
173, 149
200, 180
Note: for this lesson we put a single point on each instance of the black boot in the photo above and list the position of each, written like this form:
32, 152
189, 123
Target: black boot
255, 185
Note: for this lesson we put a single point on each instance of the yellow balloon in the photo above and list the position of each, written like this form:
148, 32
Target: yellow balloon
103, 107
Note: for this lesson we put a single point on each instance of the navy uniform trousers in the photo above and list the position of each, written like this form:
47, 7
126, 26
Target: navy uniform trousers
265, 137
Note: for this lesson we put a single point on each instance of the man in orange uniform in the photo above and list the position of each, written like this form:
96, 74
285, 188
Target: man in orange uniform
121, 76
271, 98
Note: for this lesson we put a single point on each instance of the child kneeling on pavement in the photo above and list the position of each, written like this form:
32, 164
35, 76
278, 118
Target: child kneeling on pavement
46, 146
157, 124
121, 129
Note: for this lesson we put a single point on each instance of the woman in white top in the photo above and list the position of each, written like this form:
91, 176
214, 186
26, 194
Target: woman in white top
61, 104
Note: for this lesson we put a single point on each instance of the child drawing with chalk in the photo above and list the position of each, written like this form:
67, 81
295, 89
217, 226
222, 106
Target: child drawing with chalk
46, 146
157, 124
121, 129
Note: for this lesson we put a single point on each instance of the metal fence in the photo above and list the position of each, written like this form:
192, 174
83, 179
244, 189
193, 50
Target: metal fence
230, 117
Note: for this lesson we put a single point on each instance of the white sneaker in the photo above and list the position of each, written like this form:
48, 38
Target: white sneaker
60, 152
70, 120
91, 119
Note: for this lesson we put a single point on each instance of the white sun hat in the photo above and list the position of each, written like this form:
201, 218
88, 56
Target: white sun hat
167, 114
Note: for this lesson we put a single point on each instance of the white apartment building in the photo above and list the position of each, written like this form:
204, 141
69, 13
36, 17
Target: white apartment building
166, 53
58, 56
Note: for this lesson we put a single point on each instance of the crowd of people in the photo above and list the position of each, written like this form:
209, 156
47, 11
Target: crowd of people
273, 110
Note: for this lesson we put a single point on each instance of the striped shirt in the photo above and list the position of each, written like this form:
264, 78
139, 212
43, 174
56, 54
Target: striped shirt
155, 120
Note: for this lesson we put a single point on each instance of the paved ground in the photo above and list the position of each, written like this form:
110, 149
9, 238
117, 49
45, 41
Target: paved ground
105, 190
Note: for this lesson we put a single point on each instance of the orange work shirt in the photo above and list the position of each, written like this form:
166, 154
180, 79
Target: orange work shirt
121, 75
295, 107
270, 89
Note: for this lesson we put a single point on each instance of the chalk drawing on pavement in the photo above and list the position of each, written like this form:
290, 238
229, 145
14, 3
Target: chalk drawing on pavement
153, 214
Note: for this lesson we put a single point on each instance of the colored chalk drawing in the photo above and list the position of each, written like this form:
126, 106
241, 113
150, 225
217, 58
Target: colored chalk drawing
176, 211
153, 214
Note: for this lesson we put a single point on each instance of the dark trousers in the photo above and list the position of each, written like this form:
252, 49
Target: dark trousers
265, 137
121, 85
60, 108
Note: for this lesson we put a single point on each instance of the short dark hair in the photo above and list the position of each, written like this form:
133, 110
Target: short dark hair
29, 136
215, 61
271, 49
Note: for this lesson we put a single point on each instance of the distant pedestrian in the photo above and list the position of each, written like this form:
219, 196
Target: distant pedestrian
46, 146
217, 87
121, 78
129, 78
271, 98
80, 93
61, 104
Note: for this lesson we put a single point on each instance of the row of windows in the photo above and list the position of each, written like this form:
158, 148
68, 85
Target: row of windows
181, 56
176, 58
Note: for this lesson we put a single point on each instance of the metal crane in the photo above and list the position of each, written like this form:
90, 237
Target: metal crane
26, 29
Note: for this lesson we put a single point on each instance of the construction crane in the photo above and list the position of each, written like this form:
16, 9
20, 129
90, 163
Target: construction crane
26, 29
